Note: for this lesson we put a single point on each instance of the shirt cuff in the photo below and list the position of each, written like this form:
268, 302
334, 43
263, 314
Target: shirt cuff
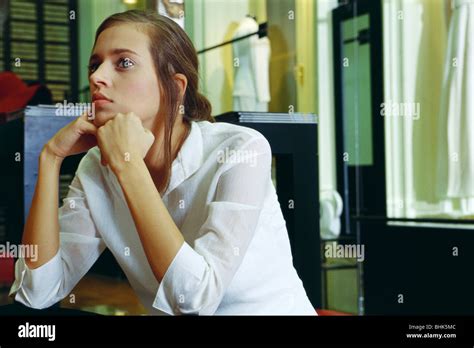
177, 292
33, 287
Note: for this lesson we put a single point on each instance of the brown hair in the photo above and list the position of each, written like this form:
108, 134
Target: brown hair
172, 52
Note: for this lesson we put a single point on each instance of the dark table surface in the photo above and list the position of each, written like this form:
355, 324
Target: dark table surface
18, 309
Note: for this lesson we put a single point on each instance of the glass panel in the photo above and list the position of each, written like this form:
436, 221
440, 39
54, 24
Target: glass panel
357, 92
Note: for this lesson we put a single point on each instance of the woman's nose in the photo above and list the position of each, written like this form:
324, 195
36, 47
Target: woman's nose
100, 76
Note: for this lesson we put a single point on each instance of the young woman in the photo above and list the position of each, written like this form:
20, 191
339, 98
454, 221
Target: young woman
186, 205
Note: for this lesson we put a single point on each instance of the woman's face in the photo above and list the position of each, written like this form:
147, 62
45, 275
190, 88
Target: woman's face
122, 71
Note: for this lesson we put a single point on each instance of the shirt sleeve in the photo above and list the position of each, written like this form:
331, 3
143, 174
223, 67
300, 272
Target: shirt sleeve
80, 247
198, 277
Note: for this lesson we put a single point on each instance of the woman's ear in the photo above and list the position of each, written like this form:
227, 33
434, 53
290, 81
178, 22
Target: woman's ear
182, 82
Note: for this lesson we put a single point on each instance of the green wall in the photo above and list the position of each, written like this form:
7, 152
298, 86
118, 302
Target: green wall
91, 13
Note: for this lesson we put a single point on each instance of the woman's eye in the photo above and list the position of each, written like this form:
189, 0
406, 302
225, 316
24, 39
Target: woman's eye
92, 67
125, 63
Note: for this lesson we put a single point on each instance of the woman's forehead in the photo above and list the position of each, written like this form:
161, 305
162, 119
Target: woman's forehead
122, 36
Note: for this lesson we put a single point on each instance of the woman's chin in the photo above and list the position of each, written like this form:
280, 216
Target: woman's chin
101, 117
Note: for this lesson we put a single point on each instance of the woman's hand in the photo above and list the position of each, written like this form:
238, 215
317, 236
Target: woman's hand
123, 139
77, 137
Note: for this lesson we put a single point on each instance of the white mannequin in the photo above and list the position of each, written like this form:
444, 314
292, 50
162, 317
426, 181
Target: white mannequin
330, 213
251, 69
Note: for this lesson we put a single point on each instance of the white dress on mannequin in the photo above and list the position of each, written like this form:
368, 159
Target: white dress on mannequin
456, 160
251, 69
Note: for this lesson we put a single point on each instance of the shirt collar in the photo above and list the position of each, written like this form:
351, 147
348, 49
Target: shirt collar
186, 163
189, 158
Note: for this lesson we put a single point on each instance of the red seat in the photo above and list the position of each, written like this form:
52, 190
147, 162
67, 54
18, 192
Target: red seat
7, 270
328, 312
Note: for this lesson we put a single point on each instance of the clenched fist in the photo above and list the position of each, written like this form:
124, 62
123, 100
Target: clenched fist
123, 139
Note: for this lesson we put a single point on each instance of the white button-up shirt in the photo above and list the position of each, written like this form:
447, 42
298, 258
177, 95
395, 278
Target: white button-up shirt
236, 258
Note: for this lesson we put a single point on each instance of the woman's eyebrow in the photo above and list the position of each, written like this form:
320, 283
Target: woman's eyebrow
115, 51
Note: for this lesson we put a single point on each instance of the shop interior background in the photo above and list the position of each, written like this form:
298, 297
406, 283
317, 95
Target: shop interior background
392, 85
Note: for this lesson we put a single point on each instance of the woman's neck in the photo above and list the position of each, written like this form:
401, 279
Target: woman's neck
155, 158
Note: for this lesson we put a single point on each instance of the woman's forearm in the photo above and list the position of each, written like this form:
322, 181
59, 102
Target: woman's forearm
42, 225
159, 235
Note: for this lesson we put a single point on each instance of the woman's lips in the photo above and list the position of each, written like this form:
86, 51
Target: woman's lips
101, 102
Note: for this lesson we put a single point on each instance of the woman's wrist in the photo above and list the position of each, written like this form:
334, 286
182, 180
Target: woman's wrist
49, 158
127, 167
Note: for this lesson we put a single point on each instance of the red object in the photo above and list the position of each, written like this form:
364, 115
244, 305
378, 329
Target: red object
7, 270
14, 93
328, 312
